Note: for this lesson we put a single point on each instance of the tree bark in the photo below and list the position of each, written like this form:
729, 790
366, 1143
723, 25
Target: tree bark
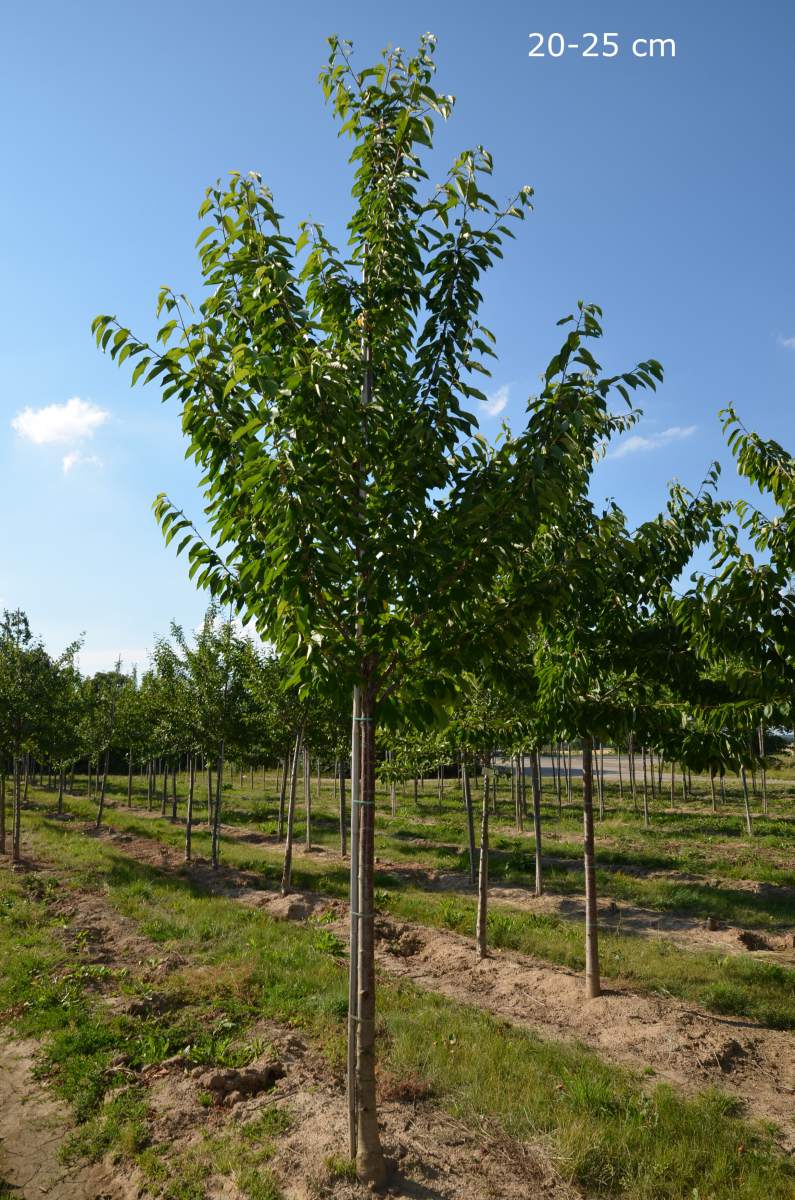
470, 822
748, 822
370, 1164
61, 786
307, 798
483, 874
592, 983
287, 867
535, 768
2, 809
189, 813
282, 795
17, 813
102, 787
343, 814
129, 777
216, 830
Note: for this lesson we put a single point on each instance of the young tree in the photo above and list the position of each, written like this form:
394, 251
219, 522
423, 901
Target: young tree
355, 514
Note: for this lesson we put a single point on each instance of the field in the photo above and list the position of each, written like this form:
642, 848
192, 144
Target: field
177, 1031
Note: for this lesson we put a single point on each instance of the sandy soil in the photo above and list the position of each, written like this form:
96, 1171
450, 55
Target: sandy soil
431, 1156
33, 1125
680, 1042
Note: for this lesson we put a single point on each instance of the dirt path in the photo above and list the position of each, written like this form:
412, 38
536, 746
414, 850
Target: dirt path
431, 1155
683, 1044
616, 916
33, 1126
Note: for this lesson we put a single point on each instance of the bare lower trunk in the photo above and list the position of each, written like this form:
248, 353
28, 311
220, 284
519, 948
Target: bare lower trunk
102, 787
712, 788
536, 783
592, 984
762, 767
61, 788
287, 867
189, 813
174, 792
2, 810
282, 796
216, 830
470, 822
17, 812
370, 1164
343, 815
129, 778
748, 822
483, 874
645, 790
307, 800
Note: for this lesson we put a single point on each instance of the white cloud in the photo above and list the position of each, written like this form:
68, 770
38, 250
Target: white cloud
496, 401
74, 459
70, 422
789, 342
637, 443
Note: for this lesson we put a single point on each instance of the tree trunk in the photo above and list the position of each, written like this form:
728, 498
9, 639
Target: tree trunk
370, 1164
164, 793
2, 809
102, 787
600, 781
483, 874
17, 813
645, 790
216, 831
61, 786
592, 984
282, 796
470, 821
307, 766
535, 768
287, 868
620, 774
712, 788
762, 767
174, 792
748, 822
189, 813
343, 814
129, 778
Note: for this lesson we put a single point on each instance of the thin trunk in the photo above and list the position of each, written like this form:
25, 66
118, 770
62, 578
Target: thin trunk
174, 793
129, 777
371, 1167
748, 822
517, 790
632, 773
353, 908
61, 786
600, 782
2, 809
343, 815
282, 796
470, 821
287, 868
189, 813
592, 984
711, 787
307, 798
535, 768
483, 875
17, 813
762, 767
103, 785
645, 790
216, 830
164, 793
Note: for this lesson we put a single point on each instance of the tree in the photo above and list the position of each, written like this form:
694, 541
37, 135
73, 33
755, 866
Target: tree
355, 514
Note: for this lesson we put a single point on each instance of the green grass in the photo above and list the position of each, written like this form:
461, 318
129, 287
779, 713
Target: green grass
609, 1132
728, 984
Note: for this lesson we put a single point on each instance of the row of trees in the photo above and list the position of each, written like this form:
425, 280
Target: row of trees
396, 561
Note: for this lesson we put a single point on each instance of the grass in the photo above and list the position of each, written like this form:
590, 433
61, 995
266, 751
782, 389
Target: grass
728, 984
609, 1131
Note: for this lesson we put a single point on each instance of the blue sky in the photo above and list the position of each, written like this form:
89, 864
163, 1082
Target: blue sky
665, 191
